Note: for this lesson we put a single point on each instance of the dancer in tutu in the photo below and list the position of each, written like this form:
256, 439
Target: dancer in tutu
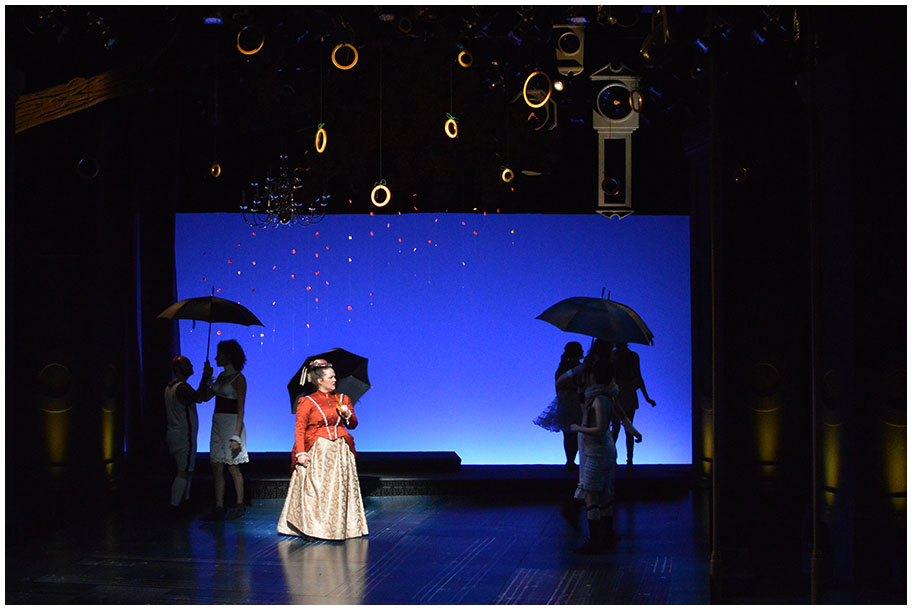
324, 495
564, 410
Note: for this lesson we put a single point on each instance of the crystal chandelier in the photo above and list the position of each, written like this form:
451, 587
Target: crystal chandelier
278, 202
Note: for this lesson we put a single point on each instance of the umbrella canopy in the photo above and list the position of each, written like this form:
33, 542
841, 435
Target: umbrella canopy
210, 309
351, 376
598, 318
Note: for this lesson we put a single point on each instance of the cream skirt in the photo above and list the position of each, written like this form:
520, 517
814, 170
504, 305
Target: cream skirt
324, 499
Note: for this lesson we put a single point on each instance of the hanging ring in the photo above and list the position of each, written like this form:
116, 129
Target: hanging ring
215, 170
636, 101
526, 87
465, 58
381, 187
507, 175
339, 47
450, 127
320, 138
262, 40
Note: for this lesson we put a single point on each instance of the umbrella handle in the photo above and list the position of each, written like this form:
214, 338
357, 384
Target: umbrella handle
209, 337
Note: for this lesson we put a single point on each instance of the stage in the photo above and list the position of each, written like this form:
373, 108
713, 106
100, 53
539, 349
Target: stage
440, 533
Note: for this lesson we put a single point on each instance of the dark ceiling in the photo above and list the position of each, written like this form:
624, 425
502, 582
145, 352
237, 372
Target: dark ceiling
385, 117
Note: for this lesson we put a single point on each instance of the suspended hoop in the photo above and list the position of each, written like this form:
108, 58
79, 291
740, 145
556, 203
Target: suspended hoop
526, 90
262, 41
335, 52
636, 101
507, 175
465, 59
383, 189
451, 127
320, 139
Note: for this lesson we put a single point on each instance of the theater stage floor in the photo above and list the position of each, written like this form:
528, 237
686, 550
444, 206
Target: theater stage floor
422, 549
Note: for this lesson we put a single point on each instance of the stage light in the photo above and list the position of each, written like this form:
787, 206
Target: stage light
558, 85
250, 40
352, 60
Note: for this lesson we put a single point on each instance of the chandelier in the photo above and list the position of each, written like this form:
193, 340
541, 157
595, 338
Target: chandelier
280, 202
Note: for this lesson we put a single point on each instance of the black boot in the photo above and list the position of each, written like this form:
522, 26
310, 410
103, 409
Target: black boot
593, 545
608, 537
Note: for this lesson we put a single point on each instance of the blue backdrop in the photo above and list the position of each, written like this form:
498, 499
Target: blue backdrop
444, 306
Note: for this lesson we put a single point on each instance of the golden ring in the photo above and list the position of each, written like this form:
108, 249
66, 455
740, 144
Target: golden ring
637, 105
526, 87
320, 140
215, 170
343, 46
245, 51
385, 189
451, 128
465, 59
507, 175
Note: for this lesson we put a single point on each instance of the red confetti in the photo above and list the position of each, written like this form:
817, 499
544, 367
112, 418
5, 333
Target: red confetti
429, 241
372, 233
308, 287
293, 251
316, 255
327, 247
349, 307
316, 299
254, 262
218, 289
474, 232
292, 276
239, 244
254, 233
370, 213
317, 233
218, 332
316, 273
273, 267
400, 240
253, 290
229, 261
463, 223
372, 294
204, 279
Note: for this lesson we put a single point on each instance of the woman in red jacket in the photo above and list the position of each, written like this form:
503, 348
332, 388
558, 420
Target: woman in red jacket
324, 496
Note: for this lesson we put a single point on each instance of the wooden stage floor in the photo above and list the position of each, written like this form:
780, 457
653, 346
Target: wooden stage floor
488, 548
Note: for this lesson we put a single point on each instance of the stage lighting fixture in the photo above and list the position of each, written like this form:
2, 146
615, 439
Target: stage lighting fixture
658, 38
615, 117
568, 48
558, 85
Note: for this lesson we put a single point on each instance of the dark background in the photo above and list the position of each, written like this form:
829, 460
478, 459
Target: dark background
788, 156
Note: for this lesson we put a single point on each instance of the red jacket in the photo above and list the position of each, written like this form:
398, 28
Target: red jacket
317, 416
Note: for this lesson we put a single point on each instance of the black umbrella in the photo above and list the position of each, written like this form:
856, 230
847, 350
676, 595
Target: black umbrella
598, 318
210, 309
351, 376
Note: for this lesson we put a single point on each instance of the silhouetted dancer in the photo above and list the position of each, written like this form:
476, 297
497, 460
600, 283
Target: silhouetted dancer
598, 455
183, 425
564, 410
228, 442
629, 379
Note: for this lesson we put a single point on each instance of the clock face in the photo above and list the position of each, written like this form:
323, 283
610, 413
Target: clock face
614, 102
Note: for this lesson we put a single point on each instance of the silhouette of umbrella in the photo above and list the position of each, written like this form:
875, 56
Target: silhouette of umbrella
600, 318
210, 309
351, 376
